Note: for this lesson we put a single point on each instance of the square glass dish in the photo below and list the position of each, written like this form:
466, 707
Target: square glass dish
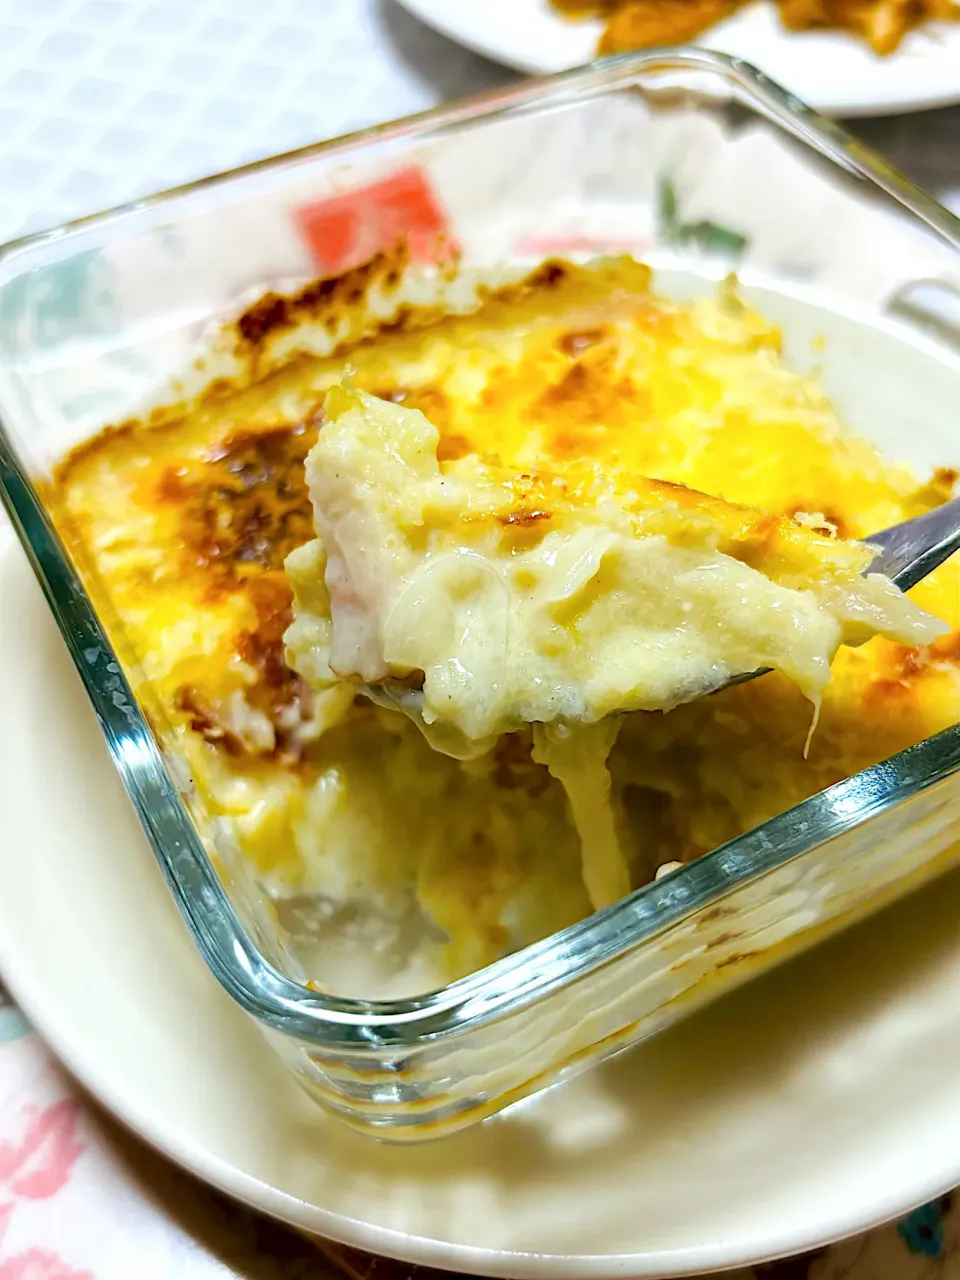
690, 161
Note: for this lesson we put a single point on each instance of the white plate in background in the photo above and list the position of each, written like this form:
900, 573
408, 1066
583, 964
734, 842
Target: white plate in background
835, 73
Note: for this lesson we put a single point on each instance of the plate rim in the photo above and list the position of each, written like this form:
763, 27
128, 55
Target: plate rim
313, 1220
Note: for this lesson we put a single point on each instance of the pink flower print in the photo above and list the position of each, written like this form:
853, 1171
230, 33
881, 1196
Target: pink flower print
41, 1162
35, 1168
38, 1264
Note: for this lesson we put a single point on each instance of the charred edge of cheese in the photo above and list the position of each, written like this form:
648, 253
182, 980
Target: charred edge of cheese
476, 600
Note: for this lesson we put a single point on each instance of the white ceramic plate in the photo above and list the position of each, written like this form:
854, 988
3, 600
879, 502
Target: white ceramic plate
812, 1104
834, 73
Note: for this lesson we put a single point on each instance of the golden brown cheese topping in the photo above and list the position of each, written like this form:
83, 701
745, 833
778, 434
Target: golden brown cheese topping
181, 530
244, 503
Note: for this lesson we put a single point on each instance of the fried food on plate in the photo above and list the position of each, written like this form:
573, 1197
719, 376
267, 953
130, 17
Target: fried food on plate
642, 24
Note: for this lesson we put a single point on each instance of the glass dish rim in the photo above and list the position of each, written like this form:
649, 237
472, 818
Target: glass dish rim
529, 975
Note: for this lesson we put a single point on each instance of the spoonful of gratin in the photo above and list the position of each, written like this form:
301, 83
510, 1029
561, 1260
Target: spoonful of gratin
477, 599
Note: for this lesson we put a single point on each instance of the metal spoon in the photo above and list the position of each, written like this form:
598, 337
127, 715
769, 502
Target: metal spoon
906, 553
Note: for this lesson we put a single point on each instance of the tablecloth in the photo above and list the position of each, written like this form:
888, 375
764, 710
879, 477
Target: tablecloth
102, 101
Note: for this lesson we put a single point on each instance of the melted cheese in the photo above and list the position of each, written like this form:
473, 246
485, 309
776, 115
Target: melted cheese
181, 531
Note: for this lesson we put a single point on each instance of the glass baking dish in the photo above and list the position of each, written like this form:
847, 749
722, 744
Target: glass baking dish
689, 160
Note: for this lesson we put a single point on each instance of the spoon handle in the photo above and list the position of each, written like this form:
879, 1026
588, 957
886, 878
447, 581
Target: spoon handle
908, 552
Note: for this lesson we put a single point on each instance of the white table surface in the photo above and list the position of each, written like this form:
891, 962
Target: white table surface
105, 100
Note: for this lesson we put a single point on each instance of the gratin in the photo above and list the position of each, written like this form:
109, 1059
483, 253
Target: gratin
186, 525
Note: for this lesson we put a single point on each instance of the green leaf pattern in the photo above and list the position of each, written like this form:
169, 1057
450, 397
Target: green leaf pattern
705, 236
72, 298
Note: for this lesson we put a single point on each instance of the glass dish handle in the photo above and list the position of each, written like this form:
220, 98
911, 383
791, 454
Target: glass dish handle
932, 305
